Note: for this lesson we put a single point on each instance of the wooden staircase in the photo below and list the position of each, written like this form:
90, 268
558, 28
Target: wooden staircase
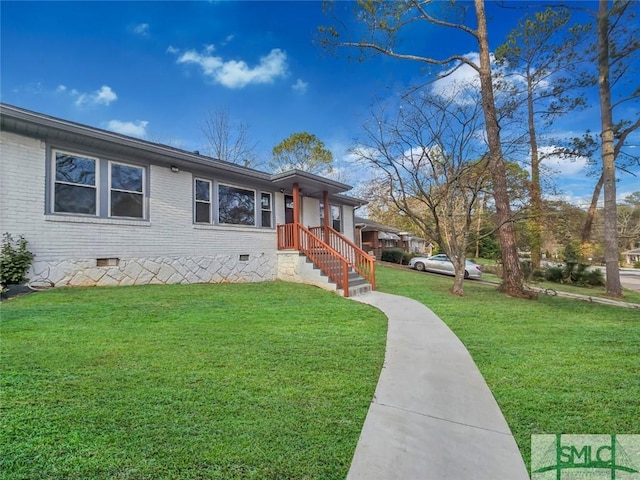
344, 263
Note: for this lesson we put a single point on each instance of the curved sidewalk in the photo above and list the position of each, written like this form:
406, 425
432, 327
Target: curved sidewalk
432, 415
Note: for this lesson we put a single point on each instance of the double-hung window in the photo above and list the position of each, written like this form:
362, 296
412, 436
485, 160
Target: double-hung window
203, 201
75, 188
265, 207
85, 185
126, 190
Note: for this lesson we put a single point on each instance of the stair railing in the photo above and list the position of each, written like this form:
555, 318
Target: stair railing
359, 260
327, 259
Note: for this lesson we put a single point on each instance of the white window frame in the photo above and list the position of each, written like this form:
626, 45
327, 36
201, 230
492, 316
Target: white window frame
196, 201
54, 181
111, 189
270, 209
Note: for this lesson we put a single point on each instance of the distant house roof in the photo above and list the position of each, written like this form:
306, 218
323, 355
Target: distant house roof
635, 251
385, 232
56, 130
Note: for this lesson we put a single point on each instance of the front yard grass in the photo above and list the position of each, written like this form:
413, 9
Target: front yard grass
554, 365
264, 381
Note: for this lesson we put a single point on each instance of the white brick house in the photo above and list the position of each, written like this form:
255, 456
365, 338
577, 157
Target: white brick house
99, 208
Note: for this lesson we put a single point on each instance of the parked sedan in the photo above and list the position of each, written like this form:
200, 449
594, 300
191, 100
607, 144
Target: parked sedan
441, 264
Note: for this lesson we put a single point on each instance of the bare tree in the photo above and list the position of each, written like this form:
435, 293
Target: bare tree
428, 155
227, 141
384, 22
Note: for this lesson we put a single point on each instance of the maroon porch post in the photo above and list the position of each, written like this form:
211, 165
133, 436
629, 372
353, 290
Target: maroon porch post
296, 216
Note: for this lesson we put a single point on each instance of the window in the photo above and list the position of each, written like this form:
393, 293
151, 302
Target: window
126, 189
75, 187
218, 203
203, 201
335, 220
86, 185
236, 206
265, 207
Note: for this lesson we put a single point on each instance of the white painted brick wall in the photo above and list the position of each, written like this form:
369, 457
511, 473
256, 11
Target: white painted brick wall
169, 232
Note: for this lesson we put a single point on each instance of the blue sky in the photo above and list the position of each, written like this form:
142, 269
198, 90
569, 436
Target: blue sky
154, 70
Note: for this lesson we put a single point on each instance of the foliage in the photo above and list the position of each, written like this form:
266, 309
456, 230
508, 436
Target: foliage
407, 256
574, 273
15, 260
186, 382
393, 255
302, 151
533, 354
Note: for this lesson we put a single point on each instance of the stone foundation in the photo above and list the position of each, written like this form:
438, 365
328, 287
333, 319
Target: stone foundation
156, 270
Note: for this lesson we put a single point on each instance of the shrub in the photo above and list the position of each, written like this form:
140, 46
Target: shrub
554, 274
15, 260
636, 265
593, 278
406, 256
393, 255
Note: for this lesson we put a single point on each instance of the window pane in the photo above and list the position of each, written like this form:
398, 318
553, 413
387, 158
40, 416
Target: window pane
203, 190
124, 177
203, 212
74, 199
125, 204
74, 169
266, 201
266, 218
236, 205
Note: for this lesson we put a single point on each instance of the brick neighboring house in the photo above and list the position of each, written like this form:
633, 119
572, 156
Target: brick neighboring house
100, 208
375, 237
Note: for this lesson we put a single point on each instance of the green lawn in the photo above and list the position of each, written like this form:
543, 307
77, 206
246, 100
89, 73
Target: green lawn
554, 365
264, 381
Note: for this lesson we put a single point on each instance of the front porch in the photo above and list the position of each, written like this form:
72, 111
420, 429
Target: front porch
337, 257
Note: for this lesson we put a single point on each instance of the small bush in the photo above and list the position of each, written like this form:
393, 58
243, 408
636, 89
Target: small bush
15, 260
554, 274
393, 255
594, 278
406, 256
537, 275
636, 265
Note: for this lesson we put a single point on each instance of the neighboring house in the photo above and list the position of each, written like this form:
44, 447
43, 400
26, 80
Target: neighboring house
632, 257
374, 237
100, 208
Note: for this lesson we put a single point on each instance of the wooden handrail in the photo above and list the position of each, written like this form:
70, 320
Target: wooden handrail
327, 259
358, 259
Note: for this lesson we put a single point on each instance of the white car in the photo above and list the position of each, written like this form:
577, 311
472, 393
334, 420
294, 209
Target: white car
441, 264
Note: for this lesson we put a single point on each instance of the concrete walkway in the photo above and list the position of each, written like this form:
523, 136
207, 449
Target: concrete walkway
432, 415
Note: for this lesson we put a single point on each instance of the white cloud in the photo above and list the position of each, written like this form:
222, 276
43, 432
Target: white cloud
209, 49
141, 29
172, 49
103, 96
300, 87
134, 129
61, 88
453, 80
561, 164
236, 73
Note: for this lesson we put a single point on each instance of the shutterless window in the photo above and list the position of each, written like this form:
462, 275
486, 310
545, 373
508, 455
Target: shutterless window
203, 201
236, 206
126, 190
336, 218
75, 184
265, 207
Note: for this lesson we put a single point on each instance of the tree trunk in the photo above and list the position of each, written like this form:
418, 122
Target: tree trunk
591, 213
613, 285
535, 191
458, 281
513, 281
